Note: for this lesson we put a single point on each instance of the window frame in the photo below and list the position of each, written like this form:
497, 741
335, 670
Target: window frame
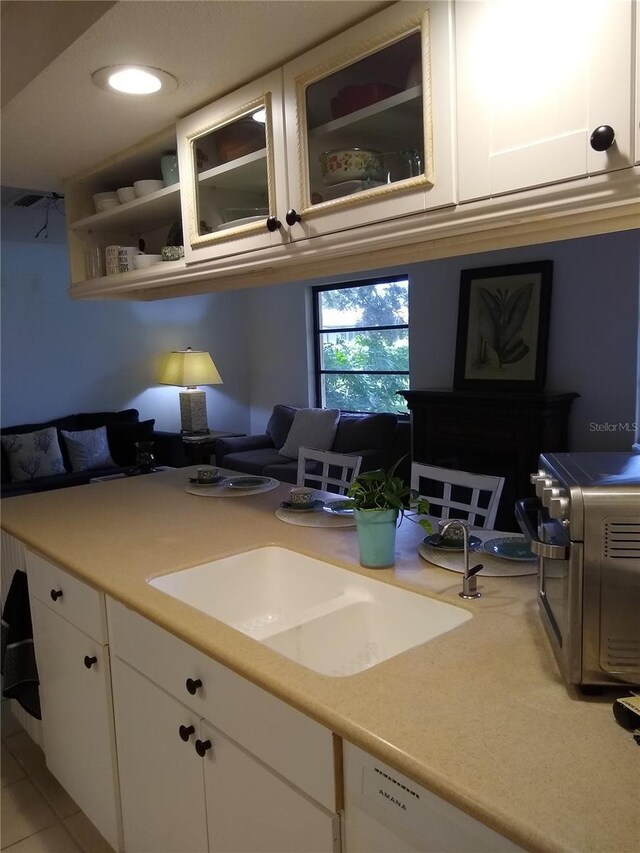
319, 372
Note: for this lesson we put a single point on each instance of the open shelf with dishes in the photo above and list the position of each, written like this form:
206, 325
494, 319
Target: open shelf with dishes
146, 221
143, 214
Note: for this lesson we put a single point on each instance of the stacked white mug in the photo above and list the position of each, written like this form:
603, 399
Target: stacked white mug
111, 255
120, 258
126, 255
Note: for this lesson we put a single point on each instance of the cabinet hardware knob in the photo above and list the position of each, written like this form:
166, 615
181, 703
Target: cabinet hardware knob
602, 137
273, 223
292, 217
193, 684
202, 746
56, 594
89, 661
185, 732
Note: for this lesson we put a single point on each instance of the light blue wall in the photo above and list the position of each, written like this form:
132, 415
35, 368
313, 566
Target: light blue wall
61, 356
593, 339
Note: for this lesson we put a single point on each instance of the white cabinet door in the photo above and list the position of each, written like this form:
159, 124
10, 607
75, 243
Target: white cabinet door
535, 78
161, 778
233, 172
250, 809
385, 86
77, 717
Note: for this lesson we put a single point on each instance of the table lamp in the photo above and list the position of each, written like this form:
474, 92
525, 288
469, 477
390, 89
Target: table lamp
189, 368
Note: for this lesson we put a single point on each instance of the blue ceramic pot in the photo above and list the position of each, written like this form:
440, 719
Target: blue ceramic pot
376, 537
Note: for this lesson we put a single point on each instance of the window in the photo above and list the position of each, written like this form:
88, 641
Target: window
361, 338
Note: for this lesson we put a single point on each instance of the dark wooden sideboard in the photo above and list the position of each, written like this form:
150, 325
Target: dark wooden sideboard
500, 433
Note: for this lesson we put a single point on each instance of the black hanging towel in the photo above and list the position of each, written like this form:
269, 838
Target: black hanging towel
18, 660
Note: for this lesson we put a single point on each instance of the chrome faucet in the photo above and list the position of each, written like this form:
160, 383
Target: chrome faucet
469, 582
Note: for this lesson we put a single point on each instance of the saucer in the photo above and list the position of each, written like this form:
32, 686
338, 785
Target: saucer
343, 507
434, 541
291, 507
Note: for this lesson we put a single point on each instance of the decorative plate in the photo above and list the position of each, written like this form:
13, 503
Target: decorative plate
246, 482
317, 504
434, 541
510, 548
343, 507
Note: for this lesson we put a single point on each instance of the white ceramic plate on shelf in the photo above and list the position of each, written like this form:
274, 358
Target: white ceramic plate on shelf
235, 223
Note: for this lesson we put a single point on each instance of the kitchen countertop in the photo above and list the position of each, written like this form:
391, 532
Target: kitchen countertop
479, 716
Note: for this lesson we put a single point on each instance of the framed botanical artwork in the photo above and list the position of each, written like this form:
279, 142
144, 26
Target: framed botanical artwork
503, 327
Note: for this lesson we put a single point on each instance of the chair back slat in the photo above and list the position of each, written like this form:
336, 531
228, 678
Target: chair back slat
477, 484
337, 470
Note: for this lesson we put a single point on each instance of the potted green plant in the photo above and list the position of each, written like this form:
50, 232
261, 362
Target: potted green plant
380, 499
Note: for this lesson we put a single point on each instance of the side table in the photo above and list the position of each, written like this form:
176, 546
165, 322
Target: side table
200, 449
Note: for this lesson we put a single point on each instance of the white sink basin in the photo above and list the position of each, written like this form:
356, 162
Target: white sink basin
331, 620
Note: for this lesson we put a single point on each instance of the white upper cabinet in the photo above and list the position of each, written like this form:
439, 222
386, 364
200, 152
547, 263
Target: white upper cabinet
542, 87
232, 173
358, 130
369, 122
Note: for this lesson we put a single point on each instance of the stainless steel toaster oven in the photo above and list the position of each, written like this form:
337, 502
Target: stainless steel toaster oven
584, 525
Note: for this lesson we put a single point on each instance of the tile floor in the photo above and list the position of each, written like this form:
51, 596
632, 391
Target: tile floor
38, 816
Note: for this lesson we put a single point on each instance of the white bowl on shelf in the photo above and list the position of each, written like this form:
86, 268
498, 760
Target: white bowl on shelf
146, 187
141, 262
105, 201
126, 194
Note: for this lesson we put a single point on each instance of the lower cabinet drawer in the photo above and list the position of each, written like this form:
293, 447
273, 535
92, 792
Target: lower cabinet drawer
285, 739
75, 601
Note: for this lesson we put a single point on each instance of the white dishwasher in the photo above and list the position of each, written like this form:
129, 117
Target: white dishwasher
385, 812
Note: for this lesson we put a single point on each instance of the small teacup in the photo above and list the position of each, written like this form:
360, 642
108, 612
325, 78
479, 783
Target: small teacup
453, 535
302, 496
206, 475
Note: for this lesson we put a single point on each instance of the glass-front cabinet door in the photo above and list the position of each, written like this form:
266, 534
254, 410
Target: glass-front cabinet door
232, 187
369, 121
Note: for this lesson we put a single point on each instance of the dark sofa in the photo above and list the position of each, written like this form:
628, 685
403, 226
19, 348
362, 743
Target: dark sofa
123, 430
380, 439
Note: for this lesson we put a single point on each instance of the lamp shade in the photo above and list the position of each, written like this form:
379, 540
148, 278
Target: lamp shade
188, 368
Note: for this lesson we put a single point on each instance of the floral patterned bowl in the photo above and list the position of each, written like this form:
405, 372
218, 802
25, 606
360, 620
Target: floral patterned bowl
350, 164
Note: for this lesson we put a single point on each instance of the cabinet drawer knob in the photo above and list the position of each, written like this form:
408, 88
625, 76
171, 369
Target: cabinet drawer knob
185, 732
273, 223
89, 661
202, 746
193, 684
56, 594
602, 137
292, 217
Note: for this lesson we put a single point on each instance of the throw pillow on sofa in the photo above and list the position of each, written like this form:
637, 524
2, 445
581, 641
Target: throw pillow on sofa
314, 428
123, 437
34, 454
88, 449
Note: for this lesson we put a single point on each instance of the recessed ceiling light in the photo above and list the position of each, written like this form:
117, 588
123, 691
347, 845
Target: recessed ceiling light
134, 80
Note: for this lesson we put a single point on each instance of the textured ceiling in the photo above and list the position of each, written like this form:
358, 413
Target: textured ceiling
56, 123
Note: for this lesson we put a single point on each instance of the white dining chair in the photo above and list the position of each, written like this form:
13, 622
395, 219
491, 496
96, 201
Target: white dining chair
333, 472
472, 496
